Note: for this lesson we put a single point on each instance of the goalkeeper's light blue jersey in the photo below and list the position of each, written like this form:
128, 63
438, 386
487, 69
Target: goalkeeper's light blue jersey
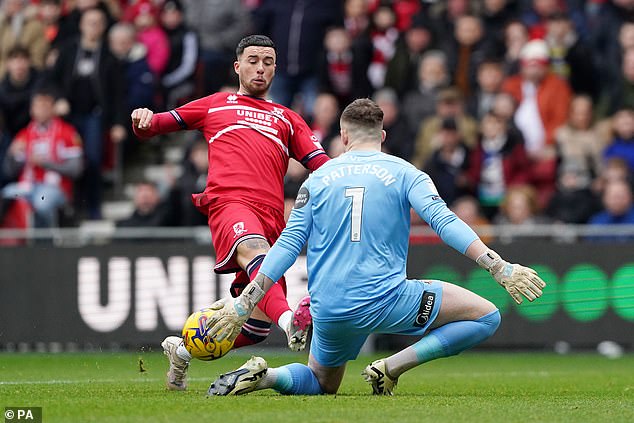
354, 212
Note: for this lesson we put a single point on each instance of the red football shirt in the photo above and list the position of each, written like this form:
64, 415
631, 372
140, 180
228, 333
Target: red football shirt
250, 143
56, 142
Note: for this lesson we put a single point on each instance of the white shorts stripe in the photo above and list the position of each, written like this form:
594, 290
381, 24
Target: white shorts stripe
234, 246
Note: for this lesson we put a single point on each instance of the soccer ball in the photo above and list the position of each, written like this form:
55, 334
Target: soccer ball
196, 340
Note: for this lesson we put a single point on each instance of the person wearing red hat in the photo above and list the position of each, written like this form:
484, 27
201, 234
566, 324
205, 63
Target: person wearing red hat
543, 102
144, 15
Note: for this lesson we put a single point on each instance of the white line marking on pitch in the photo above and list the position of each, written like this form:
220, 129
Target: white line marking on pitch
69, 382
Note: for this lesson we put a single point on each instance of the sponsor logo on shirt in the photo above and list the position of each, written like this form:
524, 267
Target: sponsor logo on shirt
232, 99
302, 198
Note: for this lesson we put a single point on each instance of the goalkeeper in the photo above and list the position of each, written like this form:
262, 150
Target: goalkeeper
354, 214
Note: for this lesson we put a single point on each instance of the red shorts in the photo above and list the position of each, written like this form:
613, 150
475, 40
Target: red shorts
236, 221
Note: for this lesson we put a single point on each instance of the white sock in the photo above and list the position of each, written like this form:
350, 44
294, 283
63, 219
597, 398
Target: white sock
285, 321
182, 352
268, 380
400, 362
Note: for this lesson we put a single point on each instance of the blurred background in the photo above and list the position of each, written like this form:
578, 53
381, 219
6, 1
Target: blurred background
521, 111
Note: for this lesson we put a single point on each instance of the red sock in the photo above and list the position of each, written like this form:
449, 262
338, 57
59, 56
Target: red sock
243, 341
274, 303
253, 331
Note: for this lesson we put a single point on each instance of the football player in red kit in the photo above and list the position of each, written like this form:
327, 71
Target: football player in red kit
250, 141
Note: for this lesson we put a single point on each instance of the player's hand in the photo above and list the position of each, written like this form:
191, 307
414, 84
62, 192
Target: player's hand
518, 280
142, 118
228, 320
232, 313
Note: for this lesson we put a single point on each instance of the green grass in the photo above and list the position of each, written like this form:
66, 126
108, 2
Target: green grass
474, 387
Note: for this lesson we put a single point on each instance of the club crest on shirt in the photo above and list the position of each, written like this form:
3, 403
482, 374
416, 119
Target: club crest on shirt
278, 112
232, 99
238, 228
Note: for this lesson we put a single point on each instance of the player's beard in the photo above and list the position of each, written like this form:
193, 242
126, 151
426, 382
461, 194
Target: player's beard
256, 90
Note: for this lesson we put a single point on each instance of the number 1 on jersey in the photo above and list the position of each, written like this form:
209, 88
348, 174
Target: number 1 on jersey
357, 208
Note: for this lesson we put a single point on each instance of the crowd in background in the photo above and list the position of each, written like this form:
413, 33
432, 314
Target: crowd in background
521, 111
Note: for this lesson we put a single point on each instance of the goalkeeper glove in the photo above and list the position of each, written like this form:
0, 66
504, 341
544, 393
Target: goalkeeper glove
232, 313
516, 279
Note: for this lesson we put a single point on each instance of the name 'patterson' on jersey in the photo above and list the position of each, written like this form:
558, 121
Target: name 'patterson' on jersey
380, 172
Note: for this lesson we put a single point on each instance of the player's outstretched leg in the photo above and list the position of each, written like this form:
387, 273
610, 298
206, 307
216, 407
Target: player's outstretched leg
177, 373
254, 375
299, 325
376, 375
241, 381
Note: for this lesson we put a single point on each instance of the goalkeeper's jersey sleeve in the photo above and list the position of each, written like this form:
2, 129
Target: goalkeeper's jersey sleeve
354, 213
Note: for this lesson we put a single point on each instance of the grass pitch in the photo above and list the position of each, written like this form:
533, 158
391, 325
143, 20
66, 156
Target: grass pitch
473, 387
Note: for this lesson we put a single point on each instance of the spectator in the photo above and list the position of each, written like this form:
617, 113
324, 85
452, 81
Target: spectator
148, 210
579, 142
515, 37
604, 33
46, 157
420, 102
145, 17
618, 209
536, 18
399, 141
178, 81
619, 94
68, 28
614, 169
16, 89
444, 15
298, 28
468, 210
18, 27
450, 104
91, 84
498, 162
383, 36
402, 69
520, 207
495, 15
343, 67
448, 162
504, 107
140, 81
356, 17
570, 56
465, 50
573, 201
336, 147
622, 144
193, 180
544, 101
325, 122
50, 15
490, 76
220, 24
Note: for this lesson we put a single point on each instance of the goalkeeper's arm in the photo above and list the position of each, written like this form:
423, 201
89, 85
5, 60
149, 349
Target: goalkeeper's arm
515, 278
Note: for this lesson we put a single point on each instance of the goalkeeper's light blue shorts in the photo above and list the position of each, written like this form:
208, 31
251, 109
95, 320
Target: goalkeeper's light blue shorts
411, 312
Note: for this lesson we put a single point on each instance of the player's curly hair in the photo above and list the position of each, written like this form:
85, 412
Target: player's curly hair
254, 40
363, 112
